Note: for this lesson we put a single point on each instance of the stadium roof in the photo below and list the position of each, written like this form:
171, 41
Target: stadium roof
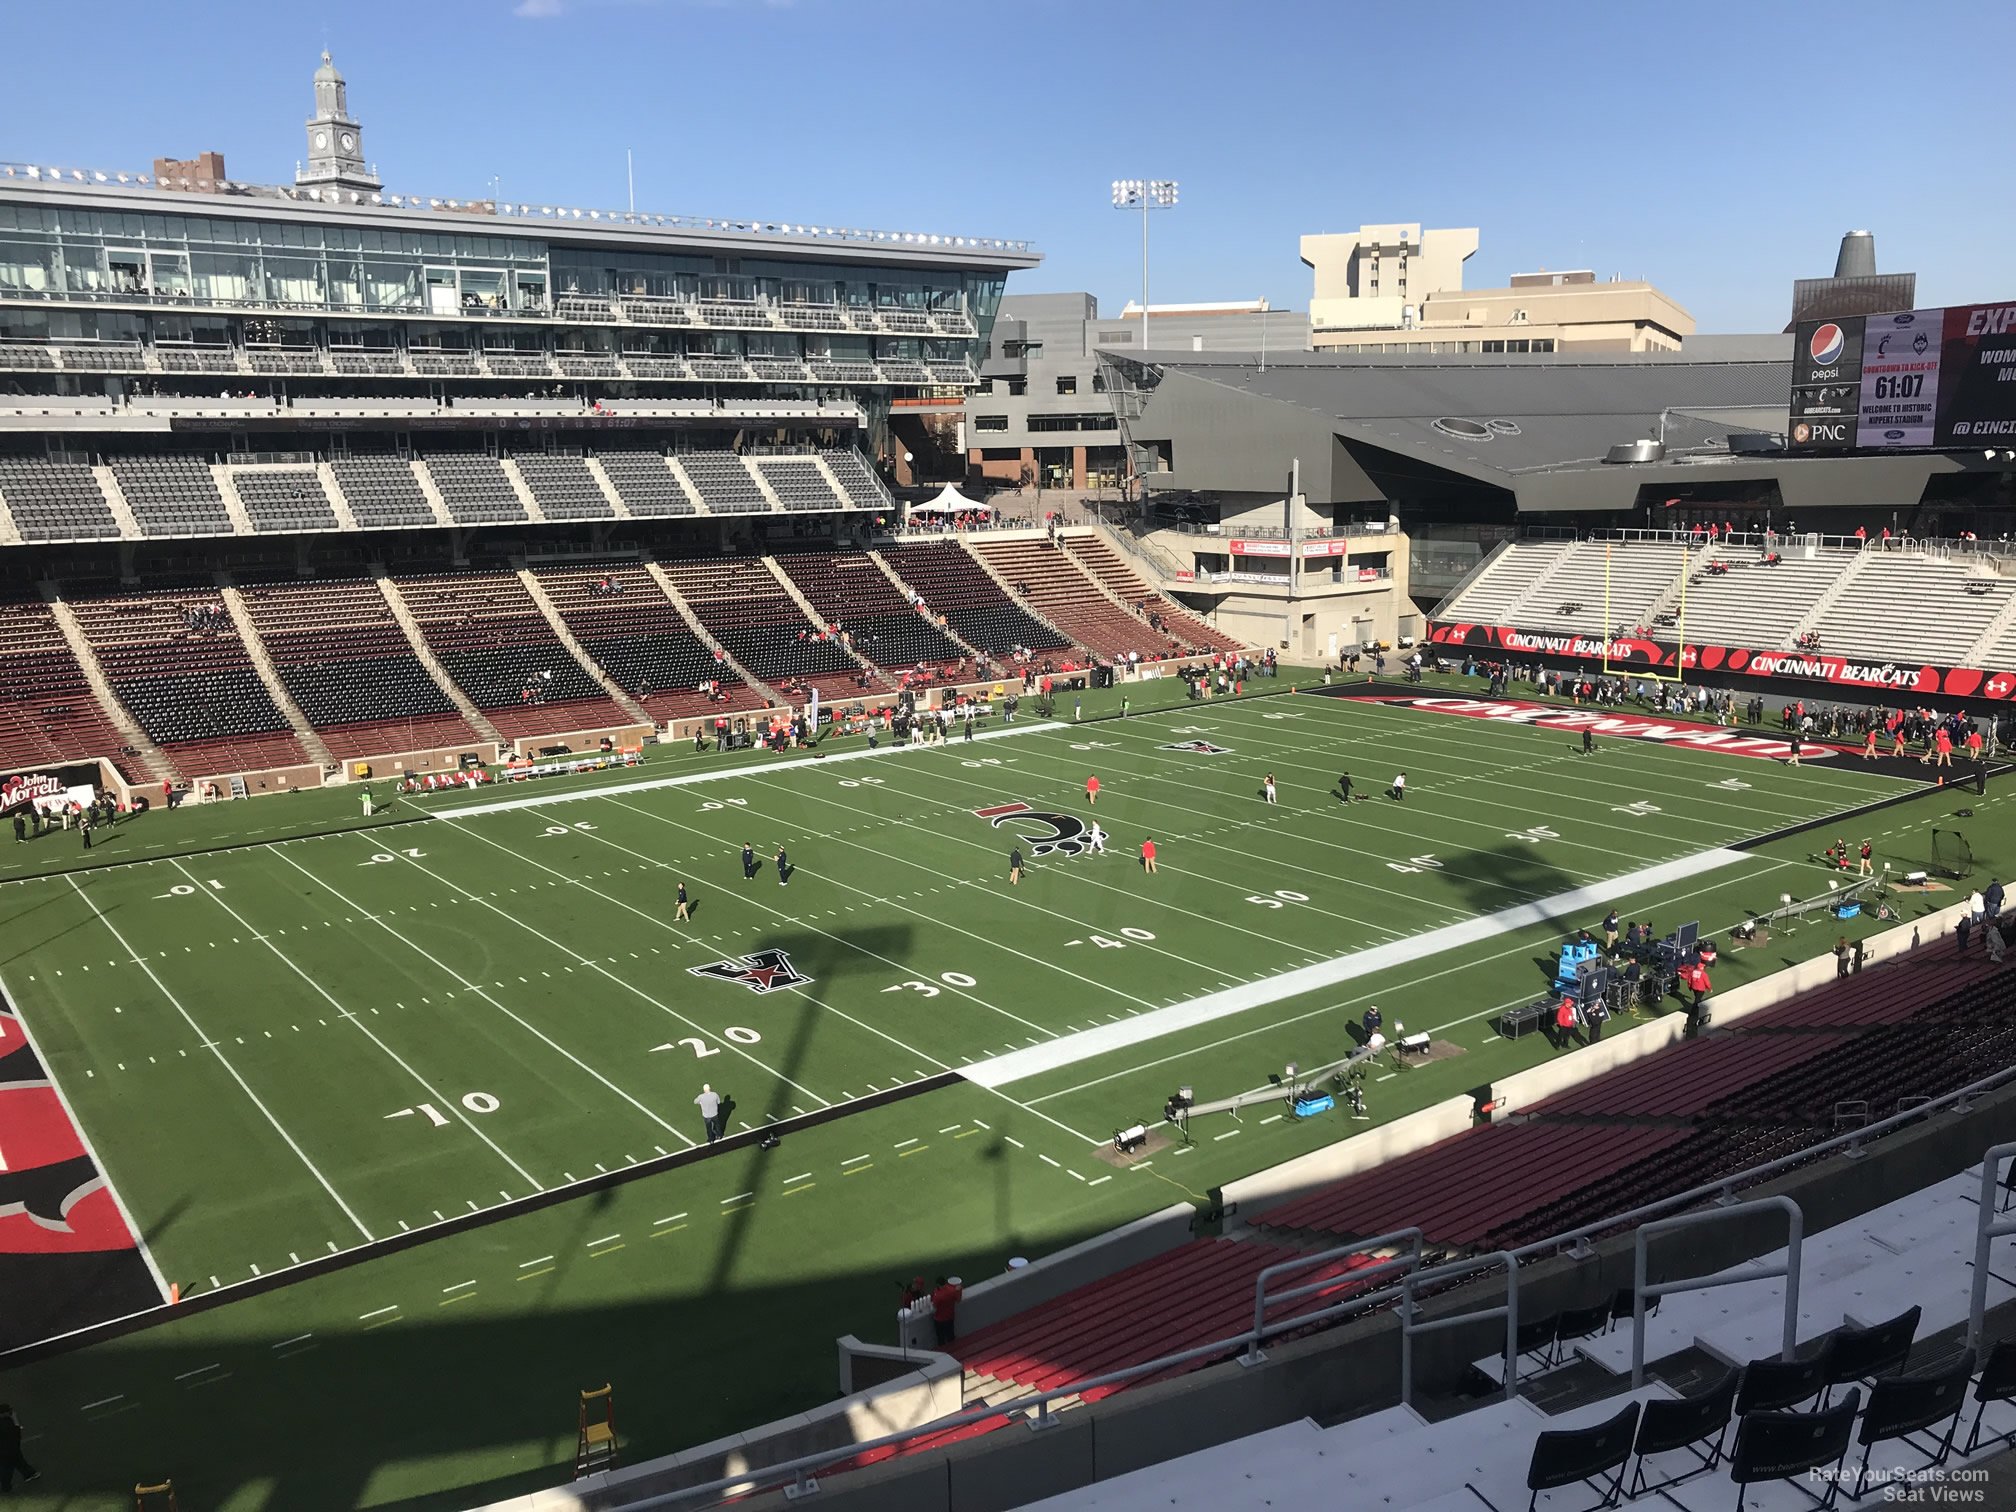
1538, 428
549, 222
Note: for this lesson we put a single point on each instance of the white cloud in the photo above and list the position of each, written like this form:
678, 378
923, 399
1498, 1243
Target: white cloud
539, 10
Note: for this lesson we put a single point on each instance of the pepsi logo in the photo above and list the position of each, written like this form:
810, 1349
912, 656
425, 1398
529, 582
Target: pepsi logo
1827, 344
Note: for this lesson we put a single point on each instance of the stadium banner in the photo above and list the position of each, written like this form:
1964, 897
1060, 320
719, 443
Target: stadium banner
1909, 379
49, 788
1280, 548
1627, 654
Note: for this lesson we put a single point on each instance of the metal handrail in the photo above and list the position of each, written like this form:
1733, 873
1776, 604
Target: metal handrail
804, 1467
1990, 1229
1261, 1301
1642, 1288
1508, 1310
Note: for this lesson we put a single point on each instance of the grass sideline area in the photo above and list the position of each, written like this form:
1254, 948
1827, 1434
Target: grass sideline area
486, 1021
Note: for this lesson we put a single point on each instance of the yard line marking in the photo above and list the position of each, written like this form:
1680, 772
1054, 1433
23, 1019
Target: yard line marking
528, 1264
1228, 1134
223, 1061
1073, 1174
199, 1370
603, 1240
1275, 1119
458, 1286
532, 1275
1352, 1002
1387, 1077
453, 1105
853, 1159
948, 1129
789, 1179
1002, 1070
451, 1301
857, 1170
1048, 1161
1014, 1141
902, 1142
673, 1219
297, 1339
726, 1200
919, 1150
515, 1018
969, 1134
1100, 1182
585, 961
105, 1402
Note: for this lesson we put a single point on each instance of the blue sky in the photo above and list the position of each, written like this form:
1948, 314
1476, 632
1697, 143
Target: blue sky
1717, 149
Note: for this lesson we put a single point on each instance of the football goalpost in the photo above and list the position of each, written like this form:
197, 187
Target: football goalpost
1636, 669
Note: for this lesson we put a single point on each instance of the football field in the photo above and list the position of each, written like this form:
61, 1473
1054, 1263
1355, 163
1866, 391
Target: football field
488, 1024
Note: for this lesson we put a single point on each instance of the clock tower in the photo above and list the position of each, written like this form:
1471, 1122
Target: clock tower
335, 142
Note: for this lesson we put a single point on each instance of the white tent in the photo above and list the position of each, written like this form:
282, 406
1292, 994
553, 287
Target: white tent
951, 501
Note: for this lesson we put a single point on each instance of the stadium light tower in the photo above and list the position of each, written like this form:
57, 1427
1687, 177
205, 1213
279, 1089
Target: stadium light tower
1144, 195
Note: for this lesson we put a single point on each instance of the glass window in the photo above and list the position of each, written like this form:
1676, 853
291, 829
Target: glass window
226, 277
1067, 383
27, 265
990, 422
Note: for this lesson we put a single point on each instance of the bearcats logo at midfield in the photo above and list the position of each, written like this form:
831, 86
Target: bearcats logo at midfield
1197, 748
765, 971
1045, 833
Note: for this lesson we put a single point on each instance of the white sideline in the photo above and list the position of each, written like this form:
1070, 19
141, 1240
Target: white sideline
1000, 1070
685, 779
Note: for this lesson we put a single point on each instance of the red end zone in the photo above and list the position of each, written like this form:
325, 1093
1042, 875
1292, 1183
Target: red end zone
1728, 740
53, 1198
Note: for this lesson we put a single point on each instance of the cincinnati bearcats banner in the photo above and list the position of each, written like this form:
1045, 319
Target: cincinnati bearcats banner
1632, 653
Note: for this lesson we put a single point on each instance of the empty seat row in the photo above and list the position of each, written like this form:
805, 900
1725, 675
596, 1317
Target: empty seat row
951, 583
290, 498
723, 481
55, 501
382, 492
799, 484
475, 490
564, 488
646, 485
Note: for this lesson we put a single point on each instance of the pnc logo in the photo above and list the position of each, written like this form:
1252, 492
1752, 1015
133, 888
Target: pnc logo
1827, 344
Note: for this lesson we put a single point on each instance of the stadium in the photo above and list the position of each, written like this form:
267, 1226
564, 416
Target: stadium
607, 910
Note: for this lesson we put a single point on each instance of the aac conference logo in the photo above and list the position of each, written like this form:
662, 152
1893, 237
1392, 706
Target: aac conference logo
1827, 345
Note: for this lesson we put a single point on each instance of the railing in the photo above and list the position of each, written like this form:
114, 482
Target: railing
1643, 1288
1992, 1225
802, 1471
1779, 540
1411, 1261
1508, 1310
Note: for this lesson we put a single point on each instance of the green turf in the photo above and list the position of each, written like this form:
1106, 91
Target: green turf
241, 1030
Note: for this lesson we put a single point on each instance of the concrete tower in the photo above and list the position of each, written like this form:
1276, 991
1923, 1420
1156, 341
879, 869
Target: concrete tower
335, 141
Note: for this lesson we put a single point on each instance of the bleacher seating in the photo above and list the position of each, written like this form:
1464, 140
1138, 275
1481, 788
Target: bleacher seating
475, 490
284, 362
363, 364
1488, 599
284, 498
47, 709
850, 591
862, 488
172, 496
831, 370
723, 481
643, 365
1106, 565
637, 635
1753, 604
492, 640
55, 501
517, 365
798, 483
444, 364
1903, 606
1596, 587
645, 484
745, 608
951, 583
1051, 582
578, 365
197, 359
348, 666
382, 492
718, 369
564, 488
174, 658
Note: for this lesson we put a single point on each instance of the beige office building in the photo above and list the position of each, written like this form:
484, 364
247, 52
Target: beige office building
1398, 288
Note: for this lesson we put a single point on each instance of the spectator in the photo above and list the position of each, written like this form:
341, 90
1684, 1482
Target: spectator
945, 1308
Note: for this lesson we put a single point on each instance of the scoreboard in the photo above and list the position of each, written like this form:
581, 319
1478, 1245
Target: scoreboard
1924, 379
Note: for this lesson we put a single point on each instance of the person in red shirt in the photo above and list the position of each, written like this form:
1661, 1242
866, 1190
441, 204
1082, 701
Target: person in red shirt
1974, 745
1148, 856
945, 1307
1092, 790
1942, 747
1869, 745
